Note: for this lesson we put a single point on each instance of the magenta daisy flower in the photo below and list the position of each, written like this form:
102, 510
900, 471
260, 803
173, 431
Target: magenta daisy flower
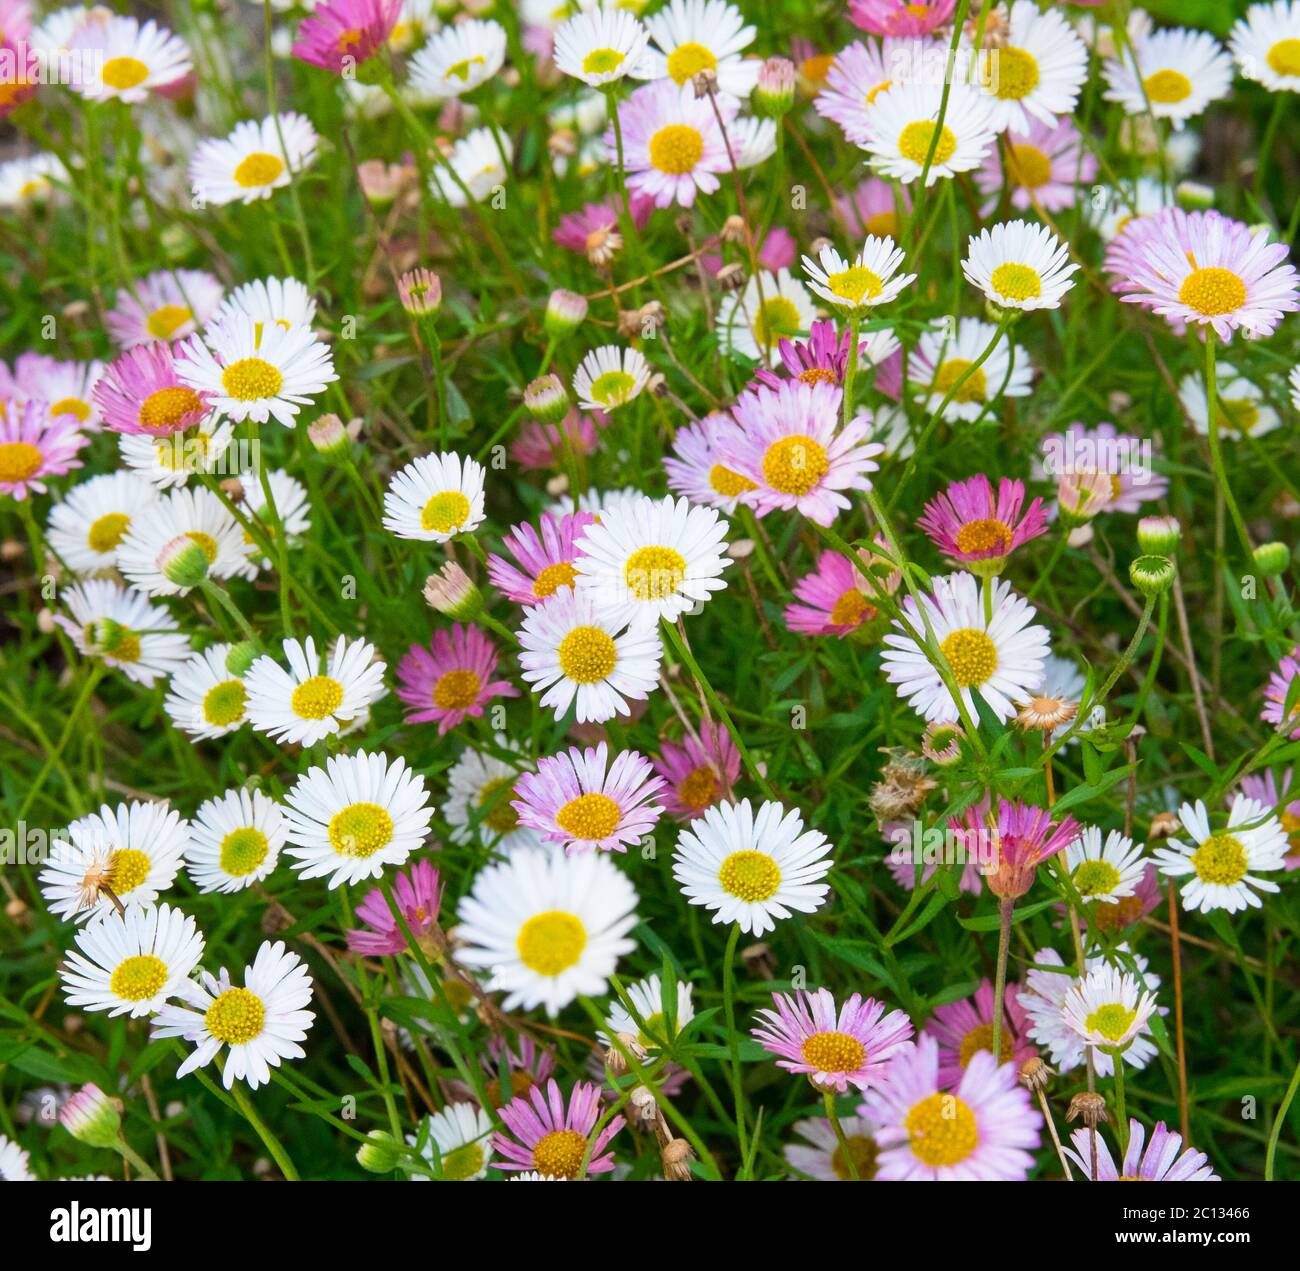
571, 799
964, 1029
672, 145
1161, 1163
831, 600
1023, 838
543, 1135
1278, 689
541, 446
898, 17
834, 1050
594, 231
695, 468
141, 393
788, 441
35, 445
873, 208
697, 773
1046, 167
528, 1065
418, 892
341, 34
545, 558
821, 359
968, 525
1263, 787
451, 679
982, 1130
1204, 268
166, 305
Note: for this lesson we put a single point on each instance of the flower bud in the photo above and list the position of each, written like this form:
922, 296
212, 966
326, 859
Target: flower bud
1152, 575
1272, 559
420, 291
546, 399
328, 435
1194, 196
452, 592
183, 562
1159, 535
379, 1153
565, 313
774, 92
91, 1117
241, 657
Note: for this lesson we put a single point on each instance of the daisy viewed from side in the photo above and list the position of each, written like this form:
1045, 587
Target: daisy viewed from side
663, 1015
979, 530
609, 377
480, 800
866, 281
478, 164
122, 629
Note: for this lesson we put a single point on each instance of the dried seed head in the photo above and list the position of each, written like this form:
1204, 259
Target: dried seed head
733, 230
1035, 1074
677, 1158
731, 277
706, 83
1089, 1107
1163, 824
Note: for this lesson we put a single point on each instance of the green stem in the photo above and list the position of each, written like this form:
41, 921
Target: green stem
828, 1099
1276, 1132
272, 1144
733, 1039
1006, 909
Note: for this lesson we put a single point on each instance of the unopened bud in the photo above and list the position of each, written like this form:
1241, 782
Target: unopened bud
774, 92
379, 1153
452, 592
328, 435
241, 657
565, 313
546, 399
183, 562
1152, 575
1159, 535
420, 291
1272, 559
91, 1117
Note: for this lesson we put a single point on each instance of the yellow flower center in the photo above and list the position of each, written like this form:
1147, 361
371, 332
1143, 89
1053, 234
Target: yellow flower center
862, 1152
1239, 413
972, 656
815, 69
686, 61
973, 389
984, 535
258, 168
1016, 282
559, 1154
445, 512
834, 1052
1220, 860
855, 284
941, 1130
1012, 75
128, 868
235, 1017
106, 532
250, 379
138, 977
551, 942
1096, 878
1212, 291
699, 788
122, 73
602, 61
207, 544
117, 642
462, 1163
167, 407
794, 465
875, 91
71, 406
850, 609
223, 704
727, 483
883, 225
676, 148
590, 816
654, 573
502, 818
981, 1038
1028, 166
18, 460
461, 70
456, 690
1284, 57
243, 850
750, 875
1112, 1021
914, 142
612, 388
163, 323
360, 829
1116, 915
587, 655
776, 318
1167, 87
317, 697
552, 578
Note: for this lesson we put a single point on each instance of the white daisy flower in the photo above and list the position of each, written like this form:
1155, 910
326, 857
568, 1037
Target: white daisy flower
900, 126
132, 850
235, 840
1108, 1008
259, 1024
416, 21
312, 699
690, 36
15, 1164
434, 498
1178, 73
1224, 864
459, 58
1265, 44
772, 307
207, 697
656, 556
30, 180
456, 1143
1000, 656
609, 377
120, 627
1019, 266
572, 650
189, 513
282, 302
601, 45
944, 355
867, 281
167, 462
1243, 411
480, 164
646, 997
1037, 73
130, 58
355, 816
87, 525
547, 926
480, 795
752, 868
292, 506
255, 371
252, 161
131, 963
1104, 871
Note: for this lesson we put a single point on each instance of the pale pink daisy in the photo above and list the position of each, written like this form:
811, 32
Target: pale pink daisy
141, 394
859, 73
545, 558
698, 772
595, 231
451, 679
168, 304
1278, 690
1123, 457
964, 1029
972, 527
418, 892
35, 445
542, 1134
695, 469
67, 386
1045, 169
572, 799
835, 1050
341, 34
1015, 845
1163, 1162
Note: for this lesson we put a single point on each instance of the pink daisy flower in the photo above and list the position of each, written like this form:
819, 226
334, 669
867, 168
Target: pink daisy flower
66, 386
451, 679
1264, 788
696, 470
1114, 916
777, 250
1023, 838
543, 1135
858, 75
1278, 689
545, 558
834, 1050
166, 305
571, 799
141, 393
25, 72
1161, 1163
697, 773
964, 1029
542, 446
820, 359
981, 1130
872, 209
341, 34
1048, 165
527, 1064
1124, 458
35, 445
902, 861
672, 145
1202, 267
594, 232
829, 601
968, 525
897, 17
789, 443
418, 892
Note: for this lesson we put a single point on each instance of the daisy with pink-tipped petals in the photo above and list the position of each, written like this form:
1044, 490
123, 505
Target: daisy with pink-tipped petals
418, 892
1013, 847
542, 1134
451, 679
1162, 1162
341, 34
142, 394
698, 772
545, 557
1041, 169
35, 445
968, 525
696, 471
168, 304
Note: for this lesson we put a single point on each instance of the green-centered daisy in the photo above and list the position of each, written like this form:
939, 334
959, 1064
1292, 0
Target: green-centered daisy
235, 840
1108, 1008
1105, 871
207, 697
456, 1143
609, 377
